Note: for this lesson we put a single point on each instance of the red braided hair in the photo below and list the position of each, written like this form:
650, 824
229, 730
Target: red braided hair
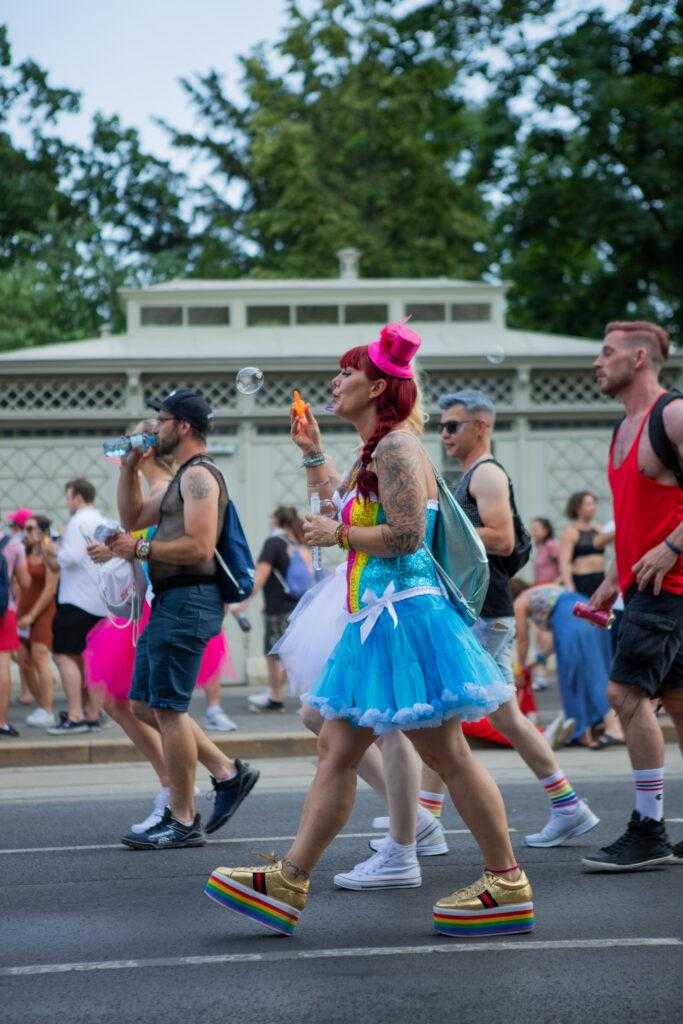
393, 406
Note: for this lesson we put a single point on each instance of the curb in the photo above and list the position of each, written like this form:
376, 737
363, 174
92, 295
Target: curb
28, 754
25, 754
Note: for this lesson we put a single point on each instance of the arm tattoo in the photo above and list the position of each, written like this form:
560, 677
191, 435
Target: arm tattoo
399, 464
199, 486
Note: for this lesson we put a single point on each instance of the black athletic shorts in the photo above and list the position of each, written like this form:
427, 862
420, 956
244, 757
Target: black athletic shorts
649, 651
70, 628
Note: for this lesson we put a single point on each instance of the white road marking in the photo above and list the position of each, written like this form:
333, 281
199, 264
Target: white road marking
519, 946
216, 842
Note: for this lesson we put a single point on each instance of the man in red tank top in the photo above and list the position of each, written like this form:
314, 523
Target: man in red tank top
648, 512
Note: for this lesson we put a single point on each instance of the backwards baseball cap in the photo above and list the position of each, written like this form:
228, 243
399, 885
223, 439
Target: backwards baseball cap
20, 517
186, 404
394, 350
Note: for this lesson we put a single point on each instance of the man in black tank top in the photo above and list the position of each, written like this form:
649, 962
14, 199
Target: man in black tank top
483, 491
187, 612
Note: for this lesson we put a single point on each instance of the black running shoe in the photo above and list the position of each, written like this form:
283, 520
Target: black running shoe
643, 845
230, 794
8, 730
678, 853
67, 727
169, 834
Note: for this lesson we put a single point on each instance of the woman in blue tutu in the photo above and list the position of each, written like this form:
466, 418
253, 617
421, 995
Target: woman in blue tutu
400, 655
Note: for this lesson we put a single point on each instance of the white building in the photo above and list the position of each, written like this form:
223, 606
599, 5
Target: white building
58, 402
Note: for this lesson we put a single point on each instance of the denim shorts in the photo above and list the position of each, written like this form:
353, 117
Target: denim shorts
497, 637
170, 650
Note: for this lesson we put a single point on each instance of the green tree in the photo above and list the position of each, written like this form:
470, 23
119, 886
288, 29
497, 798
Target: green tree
76, 222
354, 134
591, 222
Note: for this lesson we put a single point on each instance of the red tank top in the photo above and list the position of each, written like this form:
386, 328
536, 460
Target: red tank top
645, 512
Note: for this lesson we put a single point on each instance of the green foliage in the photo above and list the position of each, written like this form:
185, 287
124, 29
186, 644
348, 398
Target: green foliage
359, 138
591, 225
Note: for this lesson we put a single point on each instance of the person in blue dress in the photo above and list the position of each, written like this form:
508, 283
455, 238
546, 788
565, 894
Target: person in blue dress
399, 655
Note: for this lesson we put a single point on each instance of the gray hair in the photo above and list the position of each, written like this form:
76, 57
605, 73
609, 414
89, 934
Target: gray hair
471, 398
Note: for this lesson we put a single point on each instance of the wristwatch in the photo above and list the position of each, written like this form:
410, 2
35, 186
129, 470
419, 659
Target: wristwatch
142, 550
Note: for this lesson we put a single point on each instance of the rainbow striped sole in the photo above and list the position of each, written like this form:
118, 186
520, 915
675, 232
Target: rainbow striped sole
517, 917
232, 895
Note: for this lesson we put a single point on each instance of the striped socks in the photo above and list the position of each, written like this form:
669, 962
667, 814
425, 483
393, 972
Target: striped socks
649, 792
432, 802
560, 792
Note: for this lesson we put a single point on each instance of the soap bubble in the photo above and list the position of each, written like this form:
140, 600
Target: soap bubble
249, 380
496, 355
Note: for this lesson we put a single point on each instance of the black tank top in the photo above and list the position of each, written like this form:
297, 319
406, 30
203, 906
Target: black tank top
584, 545
498, 600
163, 575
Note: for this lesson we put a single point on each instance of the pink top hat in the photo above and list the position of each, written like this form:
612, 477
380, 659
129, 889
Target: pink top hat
394, 349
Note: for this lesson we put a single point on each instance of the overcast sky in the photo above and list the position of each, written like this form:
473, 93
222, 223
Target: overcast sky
125, 56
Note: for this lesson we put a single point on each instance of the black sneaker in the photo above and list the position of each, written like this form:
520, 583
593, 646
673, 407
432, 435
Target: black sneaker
643, 845
169, 834
66, 727
8, 730
230, 794
678, 853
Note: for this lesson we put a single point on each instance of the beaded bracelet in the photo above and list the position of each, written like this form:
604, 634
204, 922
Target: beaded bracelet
341, 535
315, 459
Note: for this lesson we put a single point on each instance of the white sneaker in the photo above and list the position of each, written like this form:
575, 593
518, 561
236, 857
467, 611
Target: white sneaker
40, 719
216, 720
559, 731
563, 825
430, 840
540, 682
386, 869
259, 700
157, 812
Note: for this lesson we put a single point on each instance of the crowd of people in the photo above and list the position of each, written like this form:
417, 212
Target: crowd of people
392, 666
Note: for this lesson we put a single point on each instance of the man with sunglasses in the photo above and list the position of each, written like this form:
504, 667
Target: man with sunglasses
186, 612
483, 491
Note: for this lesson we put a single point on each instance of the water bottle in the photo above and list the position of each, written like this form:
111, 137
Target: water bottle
314, 509
118, 447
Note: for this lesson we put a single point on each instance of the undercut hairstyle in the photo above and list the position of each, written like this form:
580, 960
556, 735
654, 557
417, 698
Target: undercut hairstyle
575, 502
82, 487
471, 399
642, 332
547, 526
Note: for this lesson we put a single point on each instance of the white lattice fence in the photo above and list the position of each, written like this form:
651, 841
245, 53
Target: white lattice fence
277, 390
33, 473
219, 391
18, 394
499, 387
575, 463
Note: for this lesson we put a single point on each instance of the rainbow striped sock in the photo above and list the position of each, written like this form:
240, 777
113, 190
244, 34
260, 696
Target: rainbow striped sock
432, 802
560, 792
649, 792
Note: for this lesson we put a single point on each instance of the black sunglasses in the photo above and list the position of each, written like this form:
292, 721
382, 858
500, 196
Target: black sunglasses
453, 426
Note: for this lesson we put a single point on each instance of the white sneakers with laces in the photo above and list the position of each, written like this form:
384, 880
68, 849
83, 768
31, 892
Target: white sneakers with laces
564, 825
392, 867
216, 720
430, 838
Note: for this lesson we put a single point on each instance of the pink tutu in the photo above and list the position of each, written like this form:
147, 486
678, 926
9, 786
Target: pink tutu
109, 657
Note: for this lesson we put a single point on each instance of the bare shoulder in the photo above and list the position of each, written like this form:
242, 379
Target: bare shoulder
198, 483
488, 479
673, 420
398, 443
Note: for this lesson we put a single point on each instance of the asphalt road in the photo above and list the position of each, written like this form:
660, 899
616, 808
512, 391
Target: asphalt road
91, 932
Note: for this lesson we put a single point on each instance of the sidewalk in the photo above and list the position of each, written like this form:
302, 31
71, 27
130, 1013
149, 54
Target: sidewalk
264, 735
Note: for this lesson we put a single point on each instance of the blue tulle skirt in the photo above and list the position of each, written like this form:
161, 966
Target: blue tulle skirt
426, 669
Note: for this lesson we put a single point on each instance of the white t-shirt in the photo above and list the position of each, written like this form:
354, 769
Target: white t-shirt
78, 575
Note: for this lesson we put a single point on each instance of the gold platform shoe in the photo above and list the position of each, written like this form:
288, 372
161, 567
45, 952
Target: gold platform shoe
492, 905
263, 893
